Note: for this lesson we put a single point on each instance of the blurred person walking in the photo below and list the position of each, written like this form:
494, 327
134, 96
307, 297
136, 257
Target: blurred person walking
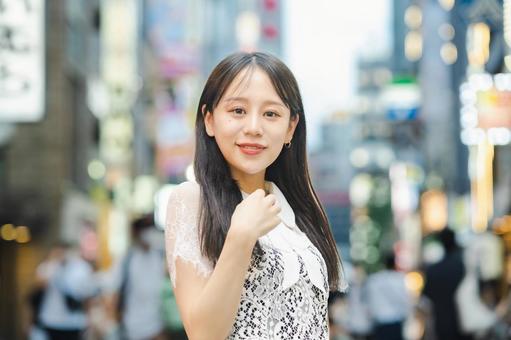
34, 329
358, 321
388, 301
337, 314
441, 282
480, 304
140, 279
249, 247
69, 284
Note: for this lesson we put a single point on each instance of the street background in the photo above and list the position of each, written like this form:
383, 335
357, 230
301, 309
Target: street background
408, 107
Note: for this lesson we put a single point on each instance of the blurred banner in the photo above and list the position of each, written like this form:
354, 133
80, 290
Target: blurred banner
22, 60
173, 30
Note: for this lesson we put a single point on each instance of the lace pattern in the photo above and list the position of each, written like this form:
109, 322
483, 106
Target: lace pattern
181, 231
269, 312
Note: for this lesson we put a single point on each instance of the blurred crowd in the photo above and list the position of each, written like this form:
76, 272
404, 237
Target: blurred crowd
463, 297
133, 300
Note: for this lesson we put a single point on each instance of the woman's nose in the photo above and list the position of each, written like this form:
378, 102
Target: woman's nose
253, 124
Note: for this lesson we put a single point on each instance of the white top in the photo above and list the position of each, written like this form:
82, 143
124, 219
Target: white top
286, 288
388, 299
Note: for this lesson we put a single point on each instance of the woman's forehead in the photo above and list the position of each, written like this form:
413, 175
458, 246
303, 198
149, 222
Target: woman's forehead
249, 79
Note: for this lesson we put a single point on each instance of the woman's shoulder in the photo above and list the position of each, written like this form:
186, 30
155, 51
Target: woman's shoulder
188, 188
187, 192
183, 203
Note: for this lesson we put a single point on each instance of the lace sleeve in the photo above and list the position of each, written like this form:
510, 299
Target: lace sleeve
181, 230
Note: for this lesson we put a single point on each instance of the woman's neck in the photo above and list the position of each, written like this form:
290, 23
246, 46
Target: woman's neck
249, 184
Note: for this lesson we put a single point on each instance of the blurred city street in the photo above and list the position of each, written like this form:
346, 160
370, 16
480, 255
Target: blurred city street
408, 106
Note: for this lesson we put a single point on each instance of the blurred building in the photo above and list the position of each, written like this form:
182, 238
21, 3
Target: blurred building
100, 113
246, 25
47, 150
331, 174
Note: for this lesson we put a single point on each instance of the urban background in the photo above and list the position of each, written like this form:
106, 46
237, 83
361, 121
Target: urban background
408, 106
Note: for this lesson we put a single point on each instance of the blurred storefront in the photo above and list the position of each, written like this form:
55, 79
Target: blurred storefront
48, 53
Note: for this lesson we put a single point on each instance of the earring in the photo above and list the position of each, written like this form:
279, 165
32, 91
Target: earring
287, 145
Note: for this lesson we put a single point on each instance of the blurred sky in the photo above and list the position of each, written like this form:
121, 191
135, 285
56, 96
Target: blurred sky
322, 41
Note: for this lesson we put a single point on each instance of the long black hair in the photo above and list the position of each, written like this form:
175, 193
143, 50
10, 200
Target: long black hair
220, 193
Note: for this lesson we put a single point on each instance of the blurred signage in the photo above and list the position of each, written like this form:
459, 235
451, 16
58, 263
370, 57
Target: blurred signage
403, 113
493, 109
22, 60
119, 48
401, 101
486, 109
173, 28
116, 139
172, 160
119, 71
270, 14
433, 211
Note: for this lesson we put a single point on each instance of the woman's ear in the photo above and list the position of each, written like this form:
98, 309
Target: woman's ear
208, 121
293, 122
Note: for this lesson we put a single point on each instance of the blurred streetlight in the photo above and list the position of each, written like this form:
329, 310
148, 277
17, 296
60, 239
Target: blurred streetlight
413, 46
22, 234
8, 232
447, 4
248, 28
96, 169
413, 17
449, 53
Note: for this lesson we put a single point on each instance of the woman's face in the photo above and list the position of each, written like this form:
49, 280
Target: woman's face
250, 123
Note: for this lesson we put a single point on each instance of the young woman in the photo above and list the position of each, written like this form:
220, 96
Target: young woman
249, 248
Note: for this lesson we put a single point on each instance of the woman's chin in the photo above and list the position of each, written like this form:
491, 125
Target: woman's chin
250, 170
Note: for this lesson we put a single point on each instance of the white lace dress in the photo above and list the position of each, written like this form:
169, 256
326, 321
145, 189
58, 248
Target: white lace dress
286, 288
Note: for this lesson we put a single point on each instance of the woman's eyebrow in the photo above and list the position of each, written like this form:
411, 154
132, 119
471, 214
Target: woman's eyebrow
245, 100
236, 99
273, 102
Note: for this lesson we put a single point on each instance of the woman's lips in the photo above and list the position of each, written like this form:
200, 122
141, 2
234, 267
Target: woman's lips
251, 149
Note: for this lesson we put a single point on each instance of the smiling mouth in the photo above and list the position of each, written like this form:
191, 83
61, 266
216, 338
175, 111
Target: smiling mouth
251, 149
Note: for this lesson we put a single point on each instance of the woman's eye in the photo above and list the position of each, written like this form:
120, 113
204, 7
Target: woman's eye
238, 111
271, 114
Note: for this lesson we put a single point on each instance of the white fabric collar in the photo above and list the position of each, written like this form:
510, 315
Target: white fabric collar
288, 239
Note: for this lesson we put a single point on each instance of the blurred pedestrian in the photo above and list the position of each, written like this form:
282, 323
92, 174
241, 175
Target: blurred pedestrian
35, 329
388, 301
441, 282
337, 315
140, 278
358, 321
69, 284
477, 296
249, 247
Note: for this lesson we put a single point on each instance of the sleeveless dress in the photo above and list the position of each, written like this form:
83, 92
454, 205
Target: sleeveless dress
286, 288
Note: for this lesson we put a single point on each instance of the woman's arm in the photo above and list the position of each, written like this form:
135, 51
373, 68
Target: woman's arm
208, 305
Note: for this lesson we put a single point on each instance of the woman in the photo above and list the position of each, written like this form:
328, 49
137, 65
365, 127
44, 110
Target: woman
249, 248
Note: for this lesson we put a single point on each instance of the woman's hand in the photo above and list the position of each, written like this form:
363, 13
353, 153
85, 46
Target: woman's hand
255, 216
